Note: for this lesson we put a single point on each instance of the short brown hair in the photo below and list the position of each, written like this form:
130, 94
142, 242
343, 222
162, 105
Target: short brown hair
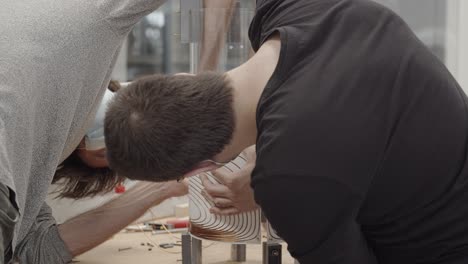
160, 127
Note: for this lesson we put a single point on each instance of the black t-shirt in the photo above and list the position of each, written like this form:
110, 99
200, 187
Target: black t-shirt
362, 138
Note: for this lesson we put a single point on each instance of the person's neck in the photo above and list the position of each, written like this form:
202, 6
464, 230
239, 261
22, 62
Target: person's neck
249, 81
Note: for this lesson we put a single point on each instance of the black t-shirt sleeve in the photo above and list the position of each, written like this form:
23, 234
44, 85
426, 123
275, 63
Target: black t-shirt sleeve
269, 18
292, 17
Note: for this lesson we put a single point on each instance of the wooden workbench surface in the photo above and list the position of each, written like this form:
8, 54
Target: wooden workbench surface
136, 253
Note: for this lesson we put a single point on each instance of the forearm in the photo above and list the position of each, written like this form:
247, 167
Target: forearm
92, 228
217, 18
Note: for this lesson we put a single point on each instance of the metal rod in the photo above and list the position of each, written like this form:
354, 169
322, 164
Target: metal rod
238, 252
196, 251
186, 249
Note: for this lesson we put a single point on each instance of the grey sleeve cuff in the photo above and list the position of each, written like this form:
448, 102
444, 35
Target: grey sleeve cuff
58, 247
43, 244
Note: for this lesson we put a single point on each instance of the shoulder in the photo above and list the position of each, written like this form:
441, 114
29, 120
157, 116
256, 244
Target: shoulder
122, 15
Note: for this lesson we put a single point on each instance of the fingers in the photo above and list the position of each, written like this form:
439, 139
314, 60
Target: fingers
249, 153
214, 189
222, 202
221, 175
208, 198
224, 211
220, 206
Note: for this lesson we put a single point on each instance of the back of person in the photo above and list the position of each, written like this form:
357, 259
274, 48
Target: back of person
364, 132
55, 63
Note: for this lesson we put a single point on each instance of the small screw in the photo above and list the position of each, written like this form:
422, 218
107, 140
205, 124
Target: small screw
123, 249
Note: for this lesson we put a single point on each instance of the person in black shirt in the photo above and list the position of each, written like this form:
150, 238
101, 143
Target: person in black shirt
361, 133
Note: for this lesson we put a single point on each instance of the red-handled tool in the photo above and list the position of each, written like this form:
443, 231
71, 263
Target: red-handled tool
179, 223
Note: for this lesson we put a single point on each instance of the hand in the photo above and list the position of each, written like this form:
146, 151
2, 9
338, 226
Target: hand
177, 189
233, 194
216, 24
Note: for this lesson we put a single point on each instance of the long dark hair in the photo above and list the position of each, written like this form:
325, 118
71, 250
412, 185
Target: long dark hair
77, 180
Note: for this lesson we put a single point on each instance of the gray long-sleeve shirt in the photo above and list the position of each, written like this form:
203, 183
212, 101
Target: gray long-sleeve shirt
56, 57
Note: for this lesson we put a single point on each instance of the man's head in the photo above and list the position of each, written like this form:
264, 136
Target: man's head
162, 127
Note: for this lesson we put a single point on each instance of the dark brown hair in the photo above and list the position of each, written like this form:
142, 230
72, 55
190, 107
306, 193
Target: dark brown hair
160, 127
77, 180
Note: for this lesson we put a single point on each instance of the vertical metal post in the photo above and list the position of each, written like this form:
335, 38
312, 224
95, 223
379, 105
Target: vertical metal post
187, 31
271, 253
194, 57
238, 252
167, 43
186, 248
196, 251
191, 16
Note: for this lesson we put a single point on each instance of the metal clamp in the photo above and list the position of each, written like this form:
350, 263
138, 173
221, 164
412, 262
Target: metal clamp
272, 253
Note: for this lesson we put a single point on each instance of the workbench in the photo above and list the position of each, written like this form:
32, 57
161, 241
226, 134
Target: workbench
142, 248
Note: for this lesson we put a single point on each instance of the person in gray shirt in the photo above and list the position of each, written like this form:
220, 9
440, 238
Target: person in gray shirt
55, 63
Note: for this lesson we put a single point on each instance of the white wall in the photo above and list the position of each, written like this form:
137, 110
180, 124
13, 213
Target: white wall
462, 71
457, 40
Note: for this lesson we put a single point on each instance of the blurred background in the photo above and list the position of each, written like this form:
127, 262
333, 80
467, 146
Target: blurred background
155, 45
